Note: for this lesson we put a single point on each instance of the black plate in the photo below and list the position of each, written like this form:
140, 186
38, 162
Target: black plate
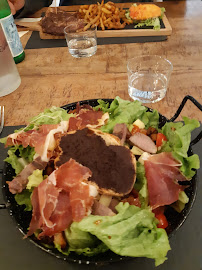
23, 218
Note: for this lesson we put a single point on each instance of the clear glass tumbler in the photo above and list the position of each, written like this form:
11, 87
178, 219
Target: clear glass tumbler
9, 77
148, 78
81, 43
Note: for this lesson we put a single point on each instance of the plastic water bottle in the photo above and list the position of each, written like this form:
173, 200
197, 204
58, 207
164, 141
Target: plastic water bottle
10, 32
9, 76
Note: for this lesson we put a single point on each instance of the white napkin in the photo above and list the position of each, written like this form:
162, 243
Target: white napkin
22, 33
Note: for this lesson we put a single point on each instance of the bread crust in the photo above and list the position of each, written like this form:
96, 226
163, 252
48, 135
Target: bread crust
109, 139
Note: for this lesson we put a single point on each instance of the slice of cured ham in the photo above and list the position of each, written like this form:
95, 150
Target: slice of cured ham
36, 220
44, 201
61, 217
70, 174
69, 177
30, 137
61, 198
162, 174
87, 118
42, 139
80, 201
165, 158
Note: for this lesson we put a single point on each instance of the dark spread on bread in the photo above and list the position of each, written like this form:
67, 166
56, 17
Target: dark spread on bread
112, 167
54, 22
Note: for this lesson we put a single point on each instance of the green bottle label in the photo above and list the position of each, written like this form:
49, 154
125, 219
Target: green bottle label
11, 34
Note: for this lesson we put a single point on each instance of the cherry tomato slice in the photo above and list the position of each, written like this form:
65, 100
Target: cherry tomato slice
160, 138
135, 129
132, 201
163, 223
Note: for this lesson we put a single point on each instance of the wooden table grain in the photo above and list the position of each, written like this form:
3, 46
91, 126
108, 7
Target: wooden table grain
51, 76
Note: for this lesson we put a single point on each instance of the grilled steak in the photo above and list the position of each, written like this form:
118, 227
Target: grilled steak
54, 22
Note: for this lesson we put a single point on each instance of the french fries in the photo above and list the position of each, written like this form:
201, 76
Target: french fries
105, 16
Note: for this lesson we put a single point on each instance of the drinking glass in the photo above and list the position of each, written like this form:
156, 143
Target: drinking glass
9, 76
148, 78
81, 43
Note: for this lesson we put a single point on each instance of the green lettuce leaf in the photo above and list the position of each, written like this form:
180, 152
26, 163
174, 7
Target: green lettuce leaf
179, 138
79, 239
132, 232
141, 185
124, 111
26, 153
53, 115
14, 161
81, 242
19, 157
150, 119
3, 140
154, 22
101, 248
35, 179
24, 198
180, 203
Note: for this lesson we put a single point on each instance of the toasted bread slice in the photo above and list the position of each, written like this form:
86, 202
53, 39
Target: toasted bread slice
113, 166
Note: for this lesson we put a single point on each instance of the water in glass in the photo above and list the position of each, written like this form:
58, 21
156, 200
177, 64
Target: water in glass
147, 88
82, 47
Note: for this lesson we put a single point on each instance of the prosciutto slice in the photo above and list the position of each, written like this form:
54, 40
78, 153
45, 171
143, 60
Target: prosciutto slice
70, 174
87, 118
61, 198
36, 220
162, 175
80, 201
42, 139
69, 177
32, 138
44, 201
165, 158
61, 216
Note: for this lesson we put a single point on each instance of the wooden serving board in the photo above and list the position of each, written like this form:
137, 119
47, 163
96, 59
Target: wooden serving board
133, 32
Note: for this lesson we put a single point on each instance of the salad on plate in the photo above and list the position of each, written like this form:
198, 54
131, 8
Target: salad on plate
101, 178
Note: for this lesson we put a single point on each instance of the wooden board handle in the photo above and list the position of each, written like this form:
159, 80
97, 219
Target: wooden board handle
32, 26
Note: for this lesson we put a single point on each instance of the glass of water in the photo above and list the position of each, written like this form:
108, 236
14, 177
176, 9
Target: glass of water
81, 43
148, 78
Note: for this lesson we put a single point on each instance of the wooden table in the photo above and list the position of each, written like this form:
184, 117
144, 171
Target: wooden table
54, 77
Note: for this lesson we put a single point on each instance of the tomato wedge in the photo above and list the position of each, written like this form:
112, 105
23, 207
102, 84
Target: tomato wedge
163, 223
160, 138
135, 129
133, 199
